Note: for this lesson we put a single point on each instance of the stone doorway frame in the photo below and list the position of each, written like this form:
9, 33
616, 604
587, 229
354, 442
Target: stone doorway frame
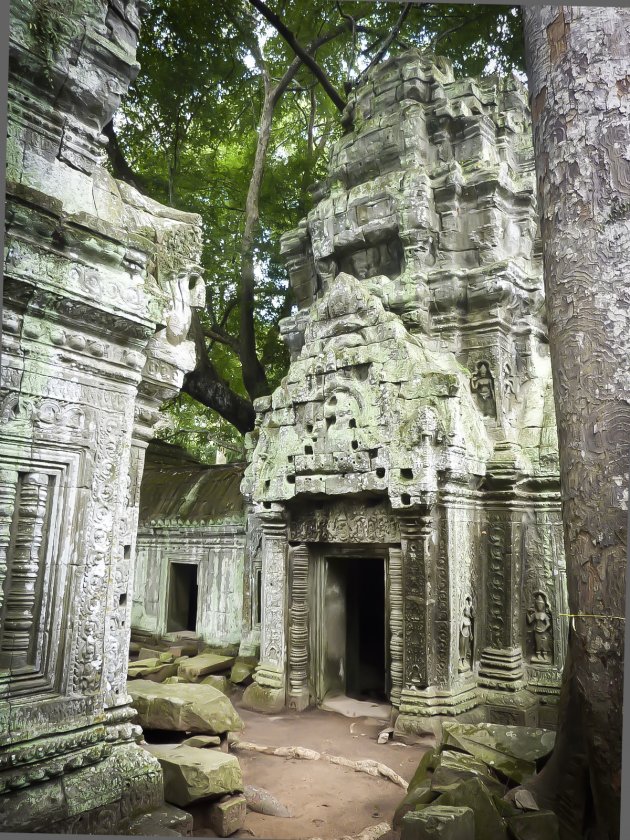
306, 565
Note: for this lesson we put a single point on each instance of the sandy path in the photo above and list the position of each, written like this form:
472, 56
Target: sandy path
327, 801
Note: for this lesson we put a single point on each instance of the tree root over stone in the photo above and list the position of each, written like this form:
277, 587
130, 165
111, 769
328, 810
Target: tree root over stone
366, 765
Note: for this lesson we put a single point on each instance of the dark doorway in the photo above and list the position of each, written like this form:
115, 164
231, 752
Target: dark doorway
356, 627
182, 597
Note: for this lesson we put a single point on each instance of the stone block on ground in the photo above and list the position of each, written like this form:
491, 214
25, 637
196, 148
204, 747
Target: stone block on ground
525, 743
515, 769
454, 767
183, 707
242, 671
473, 794
147, 662
439, 823
165, 821
149, 653
422, 794
191, 774
205, 663
157, 674
228, 816
218, 681
183, 650
535, 825
202, 741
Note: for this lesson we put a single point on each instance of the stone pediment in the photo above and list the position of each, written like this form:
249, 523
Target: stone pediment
366, 407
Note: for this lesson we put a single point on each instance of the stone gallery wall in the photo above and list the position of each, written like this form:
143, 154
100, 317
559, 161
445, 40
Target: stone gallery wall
192, 515
417, 414
98, 287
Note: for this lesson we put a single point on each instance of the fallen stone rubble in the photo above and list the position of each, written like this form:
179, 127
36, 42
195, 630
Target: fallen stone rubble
179, 688
468, 786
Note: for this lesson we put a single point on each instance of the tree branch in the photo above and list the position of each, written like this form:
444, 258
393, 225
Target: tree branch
300, 52
121, 169
388, 41
208, 387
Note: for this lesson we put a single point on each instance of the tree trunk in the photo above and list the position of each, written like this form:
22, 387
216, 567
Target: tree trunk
253, 373
577, 61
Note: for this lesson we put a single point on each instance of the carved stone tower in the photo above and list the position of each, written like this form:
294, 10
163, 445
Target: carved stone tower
405, 471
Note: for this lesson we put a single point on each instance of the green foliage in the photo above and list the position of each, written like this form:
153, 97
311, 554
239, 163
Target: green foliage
189, 129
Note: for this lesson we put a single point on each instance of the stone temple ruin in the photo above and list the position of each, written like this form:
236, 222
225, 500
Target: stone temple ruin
399, 536
405, 471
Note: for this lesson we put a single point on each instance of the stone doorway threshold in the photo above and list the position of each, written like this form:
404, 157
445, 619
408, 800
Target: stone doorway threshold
349, 707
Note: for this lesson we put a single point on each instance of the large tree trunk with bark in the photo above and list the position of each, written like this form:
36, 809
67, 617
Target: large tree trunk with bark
578, 67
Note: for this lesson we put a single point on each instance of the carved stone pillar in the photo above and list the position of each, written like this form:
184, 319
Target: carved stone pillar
396, 624
298, 693
8, 489
268, 691
501, 670
429, 688
20, 607
416, 532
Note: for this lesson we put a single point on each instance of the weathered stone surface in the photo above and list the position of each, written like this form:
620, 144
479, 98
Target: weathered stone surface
159, 674
438, 822
183, 707
514, 751
218, 681
228, 816
191, 774
473, 794
98, 287
242, 671
425, 768
202, 741
148, 653
528, 744
421, 794
454, 767
205, 663
535, 825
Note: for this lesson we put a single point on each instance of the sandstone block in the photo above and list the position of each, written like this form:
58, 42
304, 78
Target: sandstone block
183, 707
148, 653
228, 816
204, 663
202, 741
242, 671
217, 681
438, 823
191, 774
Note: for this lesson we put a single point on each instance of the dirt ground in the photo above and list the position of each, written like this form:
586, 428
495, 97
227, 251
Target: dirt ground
326, 801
